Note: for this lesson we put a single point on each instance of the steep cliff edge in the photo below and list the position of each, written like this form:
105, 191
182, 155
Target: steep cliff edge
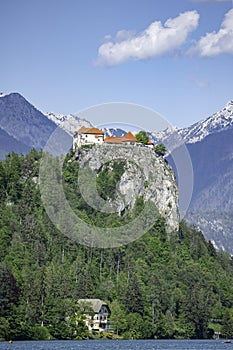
143, 174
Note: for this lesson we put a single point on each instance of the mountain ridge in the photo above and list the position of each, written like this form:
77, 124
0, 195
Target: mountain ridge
22, 121
217, 122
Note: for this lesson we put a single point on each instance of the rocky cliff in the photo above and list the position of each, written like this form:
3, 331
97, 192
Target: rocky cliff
145, 175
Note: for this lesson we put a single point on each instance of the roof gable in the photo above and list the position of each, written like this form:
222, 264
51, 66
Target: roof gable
129, 137
113, 139
94, 131
84, 130
96, 304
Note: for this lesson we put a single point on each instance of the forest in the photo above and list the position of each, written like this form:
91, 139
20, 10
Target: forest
160, 286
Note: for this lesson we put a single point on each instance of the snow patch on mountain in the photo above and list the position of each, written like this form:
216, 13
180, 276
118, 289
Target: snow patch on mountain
70, 123
114, 132
220, 121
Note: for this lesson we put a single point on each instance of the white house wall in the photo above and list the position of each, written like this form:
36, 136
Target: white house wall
87, 139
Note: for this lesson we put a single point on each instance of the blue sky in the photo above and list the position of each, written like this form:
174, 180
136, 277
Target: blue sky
171, 56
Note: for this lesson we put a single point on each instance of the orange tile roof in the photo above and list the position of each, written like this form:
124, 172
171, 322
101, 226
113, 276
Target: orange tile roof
84, 130
113, 139
81, 130
129, 137
94, 131
150, 142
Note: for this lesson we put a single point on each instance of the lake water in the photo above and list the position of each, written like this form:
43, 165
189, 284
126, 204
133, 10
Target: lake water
118, 345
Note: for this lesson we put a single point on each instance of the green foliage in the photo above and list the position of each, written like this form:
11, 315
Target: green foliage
108, 178
160, 149
40, 333
142, 137
227, 324
159, 286
146, 184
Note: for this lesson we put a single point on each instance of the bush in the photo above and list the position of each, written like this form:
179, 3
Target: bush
160, 149
41, 333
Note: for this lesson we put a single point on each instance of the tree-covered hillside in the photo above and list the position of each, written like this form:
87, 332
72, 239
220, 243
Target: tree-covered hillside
161, 286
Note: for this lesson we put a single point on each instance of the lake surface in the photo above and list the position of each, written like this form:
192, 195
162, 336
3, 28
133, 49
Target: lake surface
118, 345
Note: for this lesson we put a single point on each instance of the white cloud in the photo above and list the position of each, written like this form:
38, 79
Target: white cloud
216, 43
153, 41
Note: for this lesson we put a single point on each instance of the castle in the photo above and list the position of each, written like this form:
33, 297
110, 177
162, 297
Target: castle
90, 136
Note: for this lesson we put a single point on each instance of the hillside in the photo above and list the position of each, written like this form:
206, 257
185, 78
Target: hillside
23, 127
161, 285
213, 164
23, 122
9, 144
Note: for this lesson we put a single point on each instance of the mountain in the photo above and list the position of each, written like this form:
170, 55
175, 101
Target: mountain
212, 201
23, 127
23, 122
9, 144
117, 132
209, 143
70, 123
216, 226
220, 121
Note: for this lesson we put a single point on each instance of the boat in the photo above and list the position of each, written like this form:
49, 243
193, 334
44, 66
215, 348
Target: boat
227, 341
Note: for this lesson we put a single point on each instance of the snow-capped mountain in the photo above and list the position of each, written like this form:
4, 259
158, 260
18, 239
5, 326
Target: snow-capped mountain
217, 122
70, 123
114, 132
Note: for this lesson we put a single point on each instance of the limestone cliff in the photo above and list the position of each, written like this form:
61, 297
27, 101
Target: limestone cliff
145, 174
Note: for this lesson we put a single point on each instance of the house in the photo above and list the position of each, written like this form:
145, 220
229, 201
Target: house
87, 136
97, 314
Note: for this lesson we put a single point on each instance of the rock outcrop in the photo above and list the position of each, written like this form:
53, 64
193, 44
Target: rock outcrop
145, 174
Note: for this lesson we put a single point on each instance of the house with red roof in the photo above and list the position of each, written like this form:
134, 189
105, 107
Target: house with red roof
87, 136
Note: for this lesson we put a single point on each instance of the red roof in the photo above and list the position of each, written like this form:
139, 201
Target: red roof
84, 130
113, 139
129, 137
94, 131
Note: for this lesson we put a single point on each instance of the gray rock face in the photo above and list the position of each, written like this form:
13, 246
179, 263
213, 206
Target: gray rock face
145, 175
